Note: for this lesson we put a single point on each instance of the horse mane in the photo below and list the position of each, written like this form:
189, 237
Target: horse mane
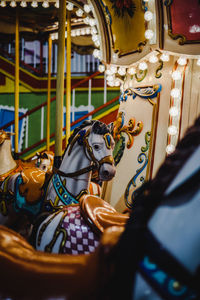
131, 247
98, 128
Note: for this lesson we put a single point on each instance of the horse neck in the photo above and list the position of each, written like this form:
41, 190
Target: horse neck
7, 161
71, 163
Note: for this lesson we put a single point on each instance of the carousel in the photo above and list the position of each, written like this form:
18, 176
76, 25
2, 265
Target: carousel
107, 207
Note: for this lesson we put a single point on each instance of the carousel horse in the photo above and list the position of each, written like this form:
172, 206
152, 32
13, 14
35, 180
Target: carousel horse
17, 204
71, 222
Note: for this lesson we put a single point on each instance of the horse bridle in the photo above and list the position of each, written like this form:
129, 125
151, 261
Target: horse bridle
96, 164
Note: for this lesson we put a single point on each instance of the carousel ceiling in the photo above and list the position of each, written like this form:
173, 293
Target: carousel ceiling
39, 19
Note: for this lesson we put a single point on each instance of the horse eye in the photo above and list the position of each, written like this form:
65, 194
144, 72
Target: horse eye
96, 147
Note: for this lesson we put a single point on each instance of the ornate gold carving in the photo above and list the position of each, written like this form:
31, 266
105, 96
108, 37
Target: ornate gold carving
159, 74
128, 129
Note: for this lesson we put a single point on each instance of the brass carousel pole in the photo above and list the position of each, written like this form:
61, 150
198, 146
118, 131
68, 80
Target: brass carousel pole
60, 83
16, 155
49, 93
68, 77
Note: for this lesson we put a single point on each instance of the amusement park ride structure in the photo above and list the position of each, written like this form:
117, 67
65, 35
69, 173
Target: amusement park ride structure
150, 49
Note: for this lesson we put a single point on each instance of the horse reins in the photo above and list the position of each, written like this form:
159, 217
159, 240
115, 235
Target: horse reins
88, 150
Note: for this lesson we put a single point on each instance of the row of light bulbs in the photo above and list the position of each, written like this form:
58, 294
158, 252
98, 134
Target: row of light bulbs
112, 70
70, 6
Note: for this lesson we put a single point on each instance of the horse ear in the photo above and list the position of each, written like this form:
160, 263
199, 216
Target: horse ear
95, 126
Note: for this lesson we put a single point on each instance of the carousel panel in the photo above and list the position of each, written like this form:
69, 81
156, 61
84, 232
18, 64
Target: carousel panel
135, 164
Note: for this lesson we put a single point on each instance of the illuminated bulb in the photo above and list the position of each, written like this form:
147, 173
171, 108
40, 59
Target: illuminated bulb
142, 66
87, 30
94, 30
45, 4
182, 61
70, 6
57, 4
34, 4
65, 34
13, 3
87, 8
108, 71
153, 59
131, 71
148, 16
175, 93
122, 71
198, 62
3, 3
96, 52
172, 130
173, 111
170, 148
117, 83
111, 83
78, 32
86, 20
110, 78
95, 37
92, 22
83, 31
164, 57
23, 4
101, 68
97, 43
149, 34
73, 33
79, 12
113, 69
176, 75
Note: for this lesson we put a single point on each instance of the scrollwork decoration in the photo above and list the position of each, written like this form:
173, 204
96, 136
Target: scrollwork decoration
142, 159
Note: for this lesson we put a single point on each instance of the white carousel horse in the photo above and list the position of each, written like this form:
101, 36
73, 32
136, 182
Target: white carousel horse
65, 230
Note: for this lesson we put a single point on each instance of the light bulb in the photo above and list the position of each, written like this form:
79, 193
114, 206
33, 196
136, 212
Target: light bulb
87, 8
142, 66
148, 16
122, 71
153, 59
170, 148
34, 4
172, 130
175, 93
79, 12
198, 62
23, 4
113, 69
176, 75
45, 4
87, 30
110, 78
70, 6
13, 3
149, 34
117, 82
182, 61
173, 111
56, 4
83, 31
101, 68
131, 71
96, 52
164, 57
3, 3
92, 22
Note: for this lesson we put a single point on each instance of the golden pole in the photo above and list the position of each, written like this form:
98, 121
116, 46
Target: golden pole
49, 93
16, 84
68, 77
60, 83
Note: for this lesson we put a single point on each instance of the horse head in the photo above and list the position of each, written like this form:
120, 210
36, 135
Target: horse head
98, 145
